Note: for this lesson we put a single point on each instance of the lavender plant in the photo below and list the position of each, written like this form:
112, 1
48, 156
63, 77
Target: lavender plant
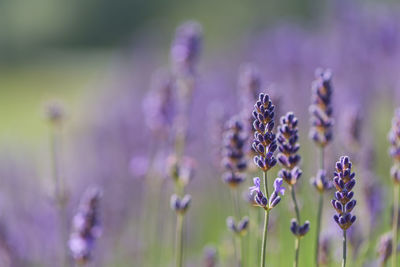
344, 203
394, 138
55, 115
289, 160
86, 227
265, 145
321, 134
234, 161
385, 248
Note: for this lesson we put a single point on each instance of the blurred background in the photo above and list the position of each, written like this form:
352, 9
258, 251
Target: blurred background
99, 57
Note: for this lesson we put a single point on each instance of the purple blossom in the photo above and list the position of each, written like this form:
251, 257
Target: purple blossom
278, 186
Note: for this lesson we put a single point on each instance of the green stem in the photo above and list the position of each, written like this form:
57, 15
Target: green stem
395, 223
179, 240
297, 241
266, 220
319, 214
344, 249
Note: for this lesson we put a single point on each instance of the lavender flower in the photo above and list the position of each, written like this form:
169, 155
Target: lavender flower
288, 148
86, 226
264, 139
321, 109
299, 230
352, 127
210, 256
234, 159
249, 82
239, 228
261, 199
159, 105
321, 182
186, 47
181, 171
385, 248
180, 205
55, 112
343, 204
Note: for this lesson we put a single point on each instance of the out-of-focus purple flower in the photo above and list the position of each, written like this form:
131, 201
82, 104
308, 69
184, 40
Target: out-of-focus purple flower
325, 248
321, 108
86, 227
288, 148
249, 82
159, 106
344, 203
351, 127
55, 112
210, 256
321, 182
373, 197
385, 248
264, 139
234, 159
180, 205
394, 139
181, 171
240, 227
186, 47
256, 187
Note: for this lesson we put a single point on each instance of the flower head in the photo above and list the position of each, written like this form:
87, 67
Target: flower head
321, 182
344, 203
86, 226
288, 148
278, 186
262, 200
264, 139
394, 139
180, 205
321, 108
240, 227
186, 47
234, 158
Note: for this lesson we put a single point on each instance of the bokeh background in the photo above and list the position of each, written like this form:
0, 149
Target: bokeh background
98, 58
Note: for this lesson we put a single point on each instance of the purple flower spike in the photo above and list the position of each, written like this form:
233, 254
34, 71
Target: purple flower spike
321, 182
264, 143
321, 108
344, 204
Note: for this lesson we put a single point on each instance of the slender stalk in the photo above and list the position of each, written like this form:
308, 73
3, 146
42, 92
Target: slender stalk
59, 193
266, 220
344, 249
297, 241
319, 214
179, 241
395, 224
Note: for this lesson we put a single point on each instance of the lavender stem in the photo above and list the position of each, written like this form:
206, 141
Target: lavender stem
179, 240
344, 248
266, 220
319, 214
395, 223
297, 240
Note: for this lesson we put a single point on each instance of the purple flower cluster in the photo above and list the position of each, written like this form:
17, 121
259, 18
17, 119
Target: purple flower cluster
394, 139
321, 182
181, 171
249, 82
299, 230
262, 200
86, 226
321, 108
264, 139
180, 205
288, 148
240, 227
343, 204
234, 158
186, 47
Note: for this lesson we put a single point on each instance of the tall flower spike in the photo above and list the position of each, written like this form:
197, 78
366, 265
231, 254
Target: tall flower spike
321, 108
288, 148
264, 139
186, 47
86, 226
344, 203
234, 159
